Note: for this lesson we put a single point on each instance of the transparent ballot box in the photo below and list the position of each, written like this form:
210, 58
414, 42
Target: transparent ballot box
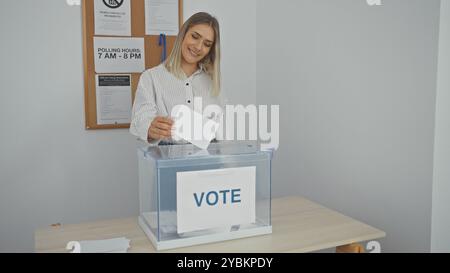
189, 196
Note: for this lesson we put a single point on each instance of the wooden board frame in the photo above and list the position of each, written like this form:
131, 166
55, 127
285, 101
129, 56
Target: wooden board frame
152, 55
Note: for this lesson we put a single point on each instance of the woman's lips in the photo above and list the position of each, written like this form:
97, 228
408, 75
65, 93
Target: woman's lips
192, 53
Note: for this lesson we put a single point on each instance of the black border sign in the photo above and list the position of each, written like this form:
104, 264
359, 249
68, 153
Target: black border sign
114, 4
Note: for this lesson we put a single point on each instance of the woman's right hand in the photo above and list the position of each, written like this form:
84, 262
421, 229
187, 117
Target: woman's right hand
160, 128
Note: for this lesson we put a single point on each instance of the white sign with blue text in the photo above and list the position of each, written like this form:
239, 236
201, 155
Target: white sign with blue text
215, 198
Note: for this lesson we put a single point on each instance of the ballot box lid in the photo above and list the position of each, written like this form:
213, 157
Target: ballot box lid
189, 151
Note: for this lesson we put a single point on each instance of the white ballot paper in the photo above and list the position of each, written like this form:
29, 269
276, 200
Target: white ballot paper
112, 18
113, 93
193, 127
161, 17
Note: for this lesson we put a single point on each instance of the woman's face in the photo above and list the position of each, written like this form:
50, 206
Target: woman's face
197, 43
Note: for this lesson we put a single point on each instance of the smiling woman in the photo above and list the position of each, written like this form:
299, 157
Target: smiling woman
198, 43
192, 70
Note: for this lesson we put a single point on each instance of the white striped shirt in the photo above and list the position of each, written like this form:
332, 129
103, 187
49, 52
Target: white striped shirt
159, 91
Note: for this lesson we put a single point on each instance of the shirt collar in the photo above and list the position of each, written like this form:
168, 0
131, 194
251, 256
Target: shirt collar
201, 69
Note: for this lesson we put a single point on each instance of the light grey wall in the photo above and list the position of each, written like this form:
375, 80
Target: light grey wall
237, 21
51, 169
356, 87
440, 236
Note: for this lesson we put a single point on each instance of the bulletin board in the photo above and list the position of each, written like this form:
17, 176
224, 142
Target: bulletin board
152, 55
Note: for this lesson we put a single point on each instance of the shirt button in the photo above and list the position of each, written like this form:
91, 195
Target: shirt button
187, 84
189, 101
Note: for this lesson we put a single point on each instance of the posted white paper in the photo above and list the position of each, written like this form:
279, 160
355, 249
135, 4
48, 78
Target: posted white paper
113, 94
119, 55
112, 18
161, 17
215, 213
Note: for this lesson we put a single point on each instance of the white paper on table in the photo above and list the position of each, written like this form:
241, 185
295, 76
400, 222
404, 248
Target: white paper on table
112, 18
161, 17
113, 93
193, 127
115, 245
119, 55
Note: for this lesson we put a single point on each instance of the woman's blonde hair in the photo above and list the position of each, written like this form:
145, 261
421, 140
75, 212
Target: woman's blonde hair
211, 62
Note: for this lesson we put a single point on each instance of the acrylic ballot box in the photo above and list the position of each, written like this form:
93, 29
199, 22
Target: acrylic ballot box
189, 196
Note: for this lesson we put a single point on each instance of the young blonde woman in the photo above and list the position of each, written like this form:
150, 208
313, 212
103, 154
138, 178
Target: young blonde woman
192, 70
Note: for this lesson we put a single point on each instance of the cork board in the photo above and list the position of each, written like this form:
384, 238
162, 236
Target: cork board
152, 55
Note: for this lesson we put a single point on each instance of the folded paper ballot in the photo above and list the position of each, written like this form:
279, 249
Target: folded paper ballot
115, 245
168, 224
194, 127
168, 220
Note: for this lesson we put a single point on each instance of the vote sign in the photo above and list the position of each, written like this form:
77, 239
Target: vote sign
215, 198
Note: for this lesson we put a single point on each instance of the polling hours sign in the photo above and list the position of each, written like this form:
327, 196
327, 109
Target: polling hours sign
119, 55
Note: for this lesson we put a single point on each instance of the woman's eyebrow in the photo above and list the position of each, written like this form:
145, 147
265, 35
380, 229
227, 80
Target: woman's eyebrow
202, 36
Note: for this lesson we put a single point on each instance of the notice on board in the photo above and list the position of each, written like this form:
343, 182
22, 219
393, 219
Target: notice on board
119, 55
112, 17
161, 17
113, 93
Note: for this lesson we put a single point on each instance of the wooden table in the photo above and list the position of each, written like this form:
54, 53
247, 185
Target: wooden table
299, 225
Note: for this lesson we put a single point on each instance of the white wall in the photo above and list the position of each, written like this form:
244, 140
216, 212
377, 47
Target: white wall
356, 87
51, 168
440, 236
237, 21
